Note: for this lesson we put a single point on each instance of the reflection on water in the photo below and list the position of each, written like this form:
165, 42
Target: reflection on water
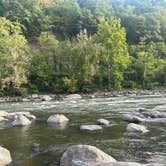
54, 140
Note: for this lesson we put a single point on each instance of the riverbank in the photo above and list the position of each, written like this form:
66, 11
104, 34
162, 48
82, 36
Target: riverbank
48, 97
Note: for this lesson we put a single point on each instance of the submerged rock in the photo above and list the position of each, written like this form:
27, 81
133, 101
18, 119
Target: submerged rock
84, 155
5, 157
21, 120
136, 128
103, 122
90, 127
57, 119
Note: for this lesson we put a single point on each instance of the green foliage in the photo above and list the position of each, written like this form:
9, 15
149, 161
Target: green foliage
115, 55
13, 55
81, 45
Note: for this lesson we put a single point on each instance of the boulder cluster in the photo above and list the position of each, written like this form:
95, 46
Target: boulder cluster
85, 155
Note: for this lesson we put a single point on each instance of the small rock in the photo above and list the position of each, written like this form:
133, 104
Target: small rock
46, 98
2, 119
133, 119
156, 120
136, 128
73, 96
120, 164
35, 96
143, 110
104, 122
21, 120
26, 100
57, 119
5, 157
31, 117
36, 147
3, 113
90, 127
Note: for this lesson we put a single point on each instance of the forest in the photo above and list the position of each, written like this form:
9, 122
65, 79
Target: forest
68, 46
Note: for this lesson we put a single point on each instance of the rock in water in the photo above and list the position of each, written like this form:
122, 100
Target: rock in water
90, 127
73, 96
103, 122
5, 157
84, 155
3, 113
21, 120
46, 98
136, 128
133, 119
57, 119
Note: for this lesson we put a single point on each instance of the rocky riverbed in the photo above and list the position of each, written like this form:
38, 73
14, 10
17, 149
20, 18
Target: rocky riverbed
130, 129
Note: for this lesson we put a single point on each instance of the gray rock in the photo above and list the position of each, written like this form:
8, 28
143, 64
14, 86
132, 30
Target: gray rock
90, 127
133, 119
46, 98
156, 120
104, 122
12, 115
21, 120
3, 113
2, 119
36, 147
30, 117
5, 157
136, 128
73, 96
120, 164
160, 108
143, 110
57, 119
84, 155
154, 114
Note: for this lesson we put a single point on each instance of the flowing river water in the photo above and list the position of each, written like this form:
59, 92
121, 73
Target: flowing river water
113, 140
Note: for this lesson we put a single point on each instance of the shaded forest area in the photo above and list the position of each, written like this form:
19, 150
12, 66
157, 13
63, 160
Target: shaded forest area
67, 46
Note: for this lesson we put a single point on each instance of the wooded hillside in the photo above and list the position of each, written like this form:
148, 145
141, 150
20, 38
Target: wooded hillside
61, 46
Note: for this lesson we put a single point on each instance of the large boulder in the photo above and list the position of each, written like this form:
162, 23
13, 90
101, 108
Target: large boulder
5, 157
21, 120
84, 155
90, 127
136, 128
57, 119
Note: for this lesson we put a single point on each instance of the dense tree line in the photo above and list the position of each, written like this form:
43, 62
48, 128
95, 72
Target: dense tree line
81, 45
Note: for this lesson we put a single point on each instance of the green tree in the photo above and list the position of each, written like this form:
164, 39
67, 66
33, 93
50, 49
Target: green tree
14, 55
44, 64
85, 60
116, 58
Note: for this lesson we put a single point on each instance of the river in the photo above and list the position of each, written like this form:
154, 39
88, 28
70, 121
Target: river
113, 140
